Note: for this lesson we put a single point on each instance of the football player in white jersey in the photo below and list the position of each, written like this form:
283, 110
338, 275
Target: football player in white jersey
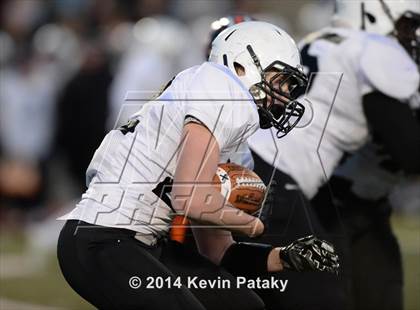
113, 247
361, 72
364, 183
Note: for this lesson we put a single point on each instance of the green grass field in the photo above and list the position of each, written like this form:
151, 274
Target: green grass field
407, 230
45, 288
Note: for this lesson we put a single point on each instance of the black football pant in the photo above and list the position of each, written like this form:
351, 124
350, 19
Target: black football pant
374, 254
98, 263
291, 216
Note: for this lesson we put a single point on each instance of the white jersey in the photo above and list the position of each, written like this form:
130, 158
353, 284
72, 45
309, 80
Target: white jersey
132, 164
351, 64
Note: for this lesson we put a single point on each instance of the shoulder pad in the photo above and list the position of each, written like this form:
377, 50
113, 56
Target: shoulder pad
388, 67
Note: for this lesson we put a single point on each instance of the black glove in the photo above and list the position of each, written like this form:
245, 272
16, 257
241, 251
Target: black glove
310, 253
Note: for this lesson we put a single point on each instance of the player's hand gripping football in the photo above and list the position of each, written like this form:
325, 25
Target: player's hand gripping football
310, 253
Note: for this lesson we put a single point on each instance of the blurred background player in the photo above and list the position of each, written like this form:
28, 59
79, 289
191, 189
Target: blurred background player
152, 58
361, 84
382, 175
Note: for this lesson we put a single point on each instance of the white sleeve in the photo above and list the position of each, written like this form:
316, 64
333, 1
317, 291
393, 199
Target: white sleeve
243, 156
388, 68
212, 100
215, 116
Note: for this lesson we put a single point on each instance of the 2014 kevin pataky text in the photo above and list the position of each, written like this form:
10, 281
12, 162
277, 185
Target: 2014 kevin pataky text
195, 282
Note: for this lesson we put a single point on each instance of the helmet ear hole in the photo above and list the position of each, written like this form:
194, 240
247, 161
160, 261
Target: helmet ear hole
239, 69
370, 17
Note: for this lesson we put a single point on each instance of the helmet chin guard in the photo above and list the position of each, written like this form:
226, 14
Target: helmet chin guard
287, 112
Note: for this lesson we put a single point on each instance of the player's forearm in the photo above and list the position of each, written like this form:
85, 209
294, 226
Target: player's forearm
207, 206
212, 242
274, 262
193, 192
229, 218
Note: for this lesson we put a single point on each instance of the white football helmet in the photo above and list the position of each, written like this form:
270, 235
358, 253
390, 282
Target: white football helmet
259, 47
400, 18
378, 16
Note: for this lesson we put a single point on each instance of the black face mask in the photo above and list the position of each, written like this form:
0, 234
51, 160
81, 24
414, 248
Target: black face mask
285, 111
283, 119
407, 31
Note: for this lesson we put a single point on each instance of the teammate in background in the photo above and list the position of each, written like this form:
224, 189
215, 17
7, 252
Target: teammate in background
365, 181
148, 53
201, 118
364, 82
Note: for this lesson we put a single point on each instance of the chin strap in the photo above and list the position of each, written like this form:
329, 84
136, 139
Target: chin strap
255, 60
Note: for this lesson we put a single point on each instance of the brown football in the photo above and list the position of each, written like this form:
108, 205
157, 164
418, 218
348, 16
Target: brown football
242, 187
